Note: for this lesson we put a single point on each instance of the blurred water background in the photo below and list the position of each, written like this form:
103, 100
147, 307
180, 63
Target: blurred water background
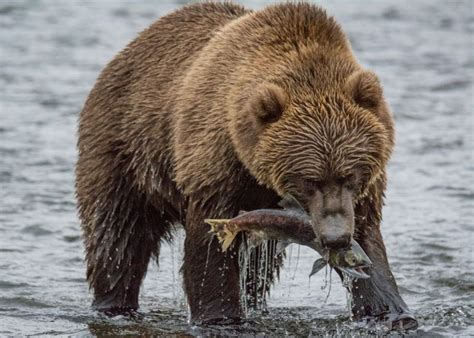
50, 55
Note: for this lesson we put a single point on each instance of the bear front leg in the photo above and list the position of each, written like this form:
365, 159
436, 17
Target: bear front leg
119, 246
378, 296
211, 277
115, 272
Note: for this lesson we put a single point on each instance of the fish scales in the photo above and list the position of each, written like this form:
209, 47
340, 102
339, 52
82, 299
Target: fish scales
289, 226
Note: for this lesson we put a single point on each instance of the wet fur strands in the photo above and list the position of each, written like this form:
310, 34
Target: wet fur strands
215, 109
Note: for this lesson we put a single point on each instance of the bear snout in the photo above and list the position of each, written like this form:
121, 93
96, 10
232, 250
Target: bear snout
332, 216
336, 233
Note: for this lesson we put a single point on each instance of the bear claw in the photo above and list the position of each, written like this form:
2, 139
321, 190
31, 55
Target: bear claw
403, 322
395, 321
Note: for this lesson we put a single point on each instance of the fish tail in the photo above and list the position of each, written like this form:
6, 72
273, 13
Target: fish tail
225, 234
216, 223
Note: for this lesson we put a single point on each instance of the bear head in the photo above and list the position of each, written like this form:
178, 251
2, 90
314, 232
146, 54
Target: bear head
324, 143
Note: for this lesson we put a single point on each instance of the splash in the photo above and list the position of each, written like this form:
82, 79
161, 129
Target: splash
243, 263
255, 264
347, 282
177, 254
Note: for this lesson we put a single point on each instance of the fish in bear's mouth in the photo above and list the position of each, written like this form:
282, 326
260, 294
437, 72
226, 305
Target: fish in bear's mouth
290, 225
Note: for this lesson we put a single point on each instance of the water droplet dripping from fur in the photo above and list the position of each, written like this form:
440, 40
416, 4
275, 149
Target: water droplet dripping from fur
347, 282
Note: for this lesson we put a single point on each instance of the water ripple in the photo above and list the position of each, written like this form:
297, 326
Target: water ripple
422, 53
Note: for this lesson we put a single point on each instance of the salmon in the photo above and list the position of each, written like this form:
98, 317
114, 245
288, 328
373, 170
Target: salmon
289, 225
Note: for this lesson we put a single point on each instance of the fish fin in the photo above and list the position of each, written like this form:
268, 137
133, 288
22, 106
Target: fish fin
216, 222
291, 203
358, 249
281, 246
228, 239
354, 273
225, 234
318, 265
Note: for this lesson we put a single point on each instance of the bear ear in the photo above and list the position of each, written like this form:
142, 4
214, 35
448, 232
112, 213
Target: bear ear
365, 89
268, 103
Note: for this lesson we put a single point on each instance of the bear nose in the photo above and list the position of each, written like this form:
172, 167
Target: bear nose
336, 241
336, 231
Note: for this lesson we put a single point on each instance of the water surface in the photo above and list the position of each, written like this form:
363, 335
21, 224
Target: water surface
50, 55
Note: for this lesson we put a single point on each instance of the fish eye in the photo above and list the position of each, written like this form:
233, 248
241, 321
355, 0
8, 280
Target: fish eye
351, 259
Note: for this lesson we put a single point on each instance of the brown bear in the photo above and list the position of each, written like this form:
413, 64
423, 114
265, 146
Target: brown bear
215, 109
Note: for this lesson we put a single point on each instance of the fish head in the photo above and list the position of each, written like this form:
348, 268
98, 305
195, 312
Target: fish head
350, 258
354, 262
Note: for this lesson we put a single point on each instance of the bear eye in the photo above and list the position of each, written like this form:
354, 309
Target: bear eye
311, 186
350, 182
351, 185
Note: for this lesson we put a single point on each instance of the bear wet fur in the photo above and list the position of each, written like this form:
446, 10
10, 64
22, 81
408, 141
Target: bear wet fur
215, 109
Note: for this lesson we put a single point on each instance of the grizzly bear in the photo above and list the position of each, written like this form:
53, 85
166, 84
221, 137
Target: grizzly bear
216, 109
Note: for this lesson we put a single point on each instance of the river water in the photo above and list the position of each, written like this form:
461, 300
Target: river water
50, 55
